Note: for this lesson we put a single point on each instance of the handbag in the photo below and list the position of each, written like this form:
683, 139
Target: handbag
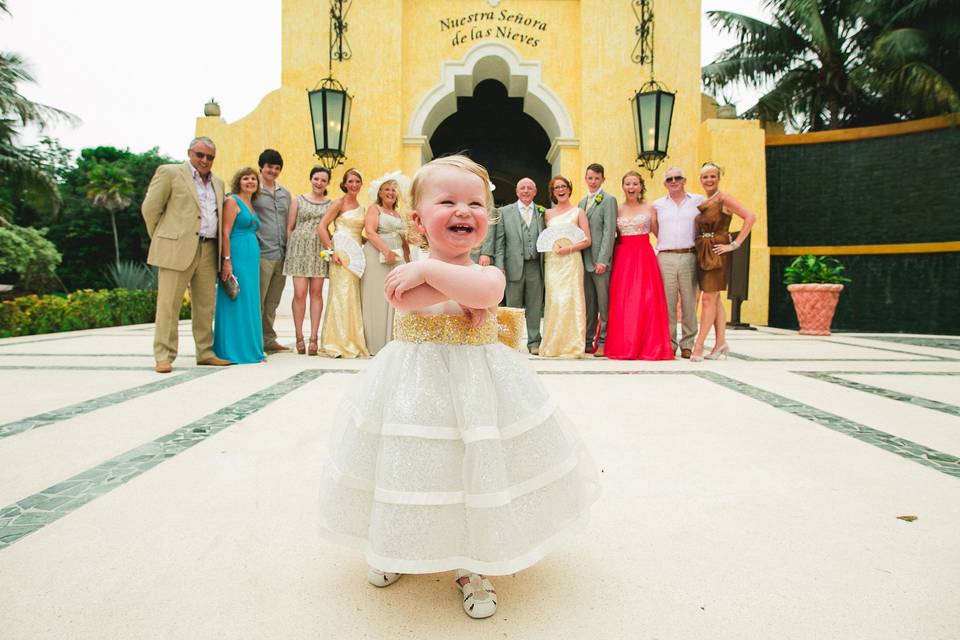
232, 286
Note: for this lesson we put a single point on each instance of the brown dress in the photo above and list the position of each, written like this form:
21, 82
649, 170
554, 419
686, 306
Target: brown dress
713, 228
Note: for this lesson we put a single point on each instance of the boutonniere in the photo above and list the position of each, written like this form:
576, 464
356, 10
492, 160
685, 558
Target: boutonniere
599, 198
540, 209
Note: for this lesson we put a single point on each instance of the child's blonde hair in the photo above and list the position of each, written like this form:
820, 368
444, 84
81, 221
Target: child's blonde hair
460, 162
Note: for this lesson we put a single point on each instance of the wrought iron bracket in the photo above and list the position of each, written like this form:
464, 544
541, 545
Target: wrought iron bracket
339, 47
643, 49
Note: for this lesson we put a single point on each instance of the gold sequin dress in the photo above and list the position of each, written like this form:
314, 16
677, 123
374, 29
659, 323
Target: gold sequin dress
564, 310
342, 334
448, 453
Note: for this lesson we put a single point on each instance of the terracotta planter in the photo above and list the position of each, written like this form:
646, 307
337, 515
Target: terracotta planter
815, 305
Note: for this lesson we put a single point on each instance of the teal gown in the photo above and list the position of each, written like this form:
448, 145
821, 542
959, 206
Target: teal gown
237, 331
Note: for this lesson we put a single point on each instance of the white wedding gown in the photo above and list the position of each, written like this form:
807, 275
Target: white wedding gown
449, 454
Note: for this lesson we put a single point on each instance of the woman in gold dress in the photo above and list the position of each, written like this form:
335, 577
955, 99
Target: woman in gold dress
714, 245
342, 333
564, 313
385, 249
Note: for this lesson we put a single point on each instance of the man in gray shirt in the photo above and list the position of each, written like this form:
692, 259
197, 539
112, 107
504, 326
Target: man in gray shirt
271, 204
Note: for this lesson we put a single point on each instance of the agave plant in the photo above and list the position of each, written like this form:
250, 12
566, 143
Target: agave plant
132, 275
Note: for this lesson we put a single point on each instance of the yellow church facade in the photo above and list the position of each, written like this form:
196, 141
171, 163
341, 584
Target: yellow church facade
525, 86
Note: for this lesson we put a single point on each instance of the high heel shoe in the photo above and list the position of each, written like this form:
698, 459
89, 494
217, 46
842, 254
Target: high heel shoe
694, 357
301, 348
719, 353
312, 349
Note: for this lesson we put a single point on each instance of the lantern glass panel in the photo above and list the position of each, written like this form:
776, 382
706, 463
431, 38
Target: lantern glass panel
316, 115
634, 108
347, 101
647, 106
334, 119
666, 116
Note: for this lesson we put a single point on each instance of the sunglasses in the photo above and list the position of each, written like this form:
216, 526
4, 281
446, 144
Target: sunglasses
204, 156
673, 178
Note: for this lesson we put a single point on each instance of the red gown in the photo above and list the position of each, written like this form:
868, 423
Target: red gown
637, 325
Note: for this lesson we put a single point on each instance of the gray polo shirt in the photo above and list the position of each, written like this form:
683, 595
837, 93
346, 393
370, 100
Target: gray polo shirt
272, 209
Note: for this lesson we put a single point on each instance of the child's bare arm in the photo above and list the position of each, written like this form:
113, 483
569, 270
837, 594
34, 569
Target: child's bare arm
473, 287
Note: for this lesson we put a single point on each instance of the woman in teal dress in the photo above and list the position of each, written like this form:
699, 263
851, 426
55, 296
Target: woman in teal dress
237, 332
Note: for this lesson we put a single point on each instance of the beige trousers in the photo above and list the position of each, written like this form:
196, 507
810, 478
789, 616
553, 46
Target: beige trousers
272, 281
679, 273
201, 276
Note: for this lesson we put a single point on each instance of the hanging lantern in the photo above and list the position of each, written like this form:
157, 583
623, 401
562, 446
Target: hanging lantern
652, 108
330, 114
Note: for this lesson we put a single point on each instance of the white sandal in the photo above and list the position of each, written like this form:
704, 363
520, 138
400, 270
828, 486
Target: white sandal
382, 578
479, 597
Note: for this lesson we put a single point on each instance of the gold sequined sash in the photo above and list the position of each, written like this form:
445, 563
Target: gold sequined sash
506, 326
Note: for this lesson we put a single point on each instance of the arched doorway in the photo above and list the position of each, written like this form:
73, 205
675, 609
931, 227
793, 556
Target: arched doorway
493, 129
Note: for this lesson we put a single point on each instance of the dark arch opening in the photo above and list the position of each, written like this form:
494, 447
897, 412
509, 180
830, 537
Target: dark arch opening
492, 128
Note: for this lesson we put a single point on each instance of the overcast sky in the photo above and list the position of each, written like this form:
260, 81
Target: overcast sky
127, 67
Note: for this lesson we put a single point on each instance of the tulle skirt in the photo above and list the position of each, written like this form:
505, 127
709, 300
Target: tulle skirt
449, 456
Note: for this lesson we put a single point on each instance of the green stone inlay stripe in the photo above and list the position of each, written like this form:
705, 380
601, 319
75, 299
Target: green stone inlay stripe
35, 512
873, 348
93, 404
926, 403
934, 343
943, 462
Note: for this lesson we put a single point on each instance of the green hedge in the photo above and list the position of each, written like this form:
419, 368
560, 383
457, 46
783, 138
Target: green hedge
86, 309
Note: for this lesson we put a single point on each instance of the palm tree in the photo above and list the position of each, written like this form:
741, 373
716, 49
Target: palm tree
835, 63
915, 56
808, 52
16, 111
110, 187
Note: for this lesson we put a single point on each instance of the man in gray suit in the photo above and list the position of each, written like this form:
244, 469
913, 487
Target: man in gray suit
601, 209
512, 245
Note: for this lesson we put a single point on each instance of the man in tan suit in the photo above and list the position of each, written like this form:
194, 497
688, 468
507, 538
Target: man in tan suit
182, 211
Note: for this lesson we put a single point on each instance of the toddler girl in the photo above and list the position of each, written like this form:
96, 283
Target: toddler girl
450, 454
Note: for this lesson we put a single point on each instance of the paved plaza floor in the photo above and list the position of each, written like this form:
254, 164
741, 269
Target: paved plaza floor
805, 488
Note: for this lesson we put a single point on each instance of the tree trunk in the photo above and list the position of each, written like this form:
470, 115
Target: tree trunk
116, 241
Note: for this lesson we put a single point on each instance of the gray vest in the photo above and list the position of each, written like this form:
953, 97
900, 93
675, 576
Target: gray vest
529, 237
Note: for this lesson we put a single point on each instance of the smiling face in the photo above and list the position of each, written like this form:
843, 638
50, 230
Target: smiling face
594, 180
559, 191
352, 183
674, 182
526, 190
201, 157
388, 193
451, 211
319, 182
249, 184
632, 187
270, 172
709, 179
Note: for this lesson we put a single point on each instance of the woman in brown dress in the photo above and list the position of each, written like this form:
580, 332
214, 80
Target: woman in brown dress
714, 245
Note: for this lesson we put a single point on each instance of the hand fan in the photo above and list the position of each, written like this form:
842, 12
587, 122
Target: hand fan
349, 252
561, 235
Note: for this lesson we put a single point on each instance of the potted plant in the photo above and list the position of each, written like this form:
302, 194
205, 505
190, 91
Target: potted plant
815, 283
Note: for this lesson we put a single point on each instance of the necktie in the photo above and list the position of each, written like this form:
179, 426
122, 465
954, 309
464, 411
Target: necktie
526, 215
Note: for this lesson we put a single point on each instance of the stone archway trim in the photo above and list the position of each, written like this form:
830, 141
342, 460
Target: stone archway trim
497, 61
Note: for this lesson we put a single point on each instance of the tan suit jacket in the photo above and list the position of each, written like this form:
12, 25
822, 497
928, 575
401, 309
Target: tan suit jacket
171, 210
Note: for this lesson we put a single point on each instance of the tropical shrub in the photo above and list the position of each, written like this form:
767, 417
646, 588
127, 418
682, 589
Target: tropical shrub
135, 276
85, 309
811, 269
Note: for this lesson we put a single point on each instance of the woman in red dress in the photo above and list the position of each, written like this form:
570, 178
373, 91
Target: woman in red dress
637, 320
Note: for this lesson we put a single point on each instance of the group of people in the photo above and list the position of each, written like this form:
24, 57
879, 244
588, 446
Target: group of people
448, 454
608, 294
250, 241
